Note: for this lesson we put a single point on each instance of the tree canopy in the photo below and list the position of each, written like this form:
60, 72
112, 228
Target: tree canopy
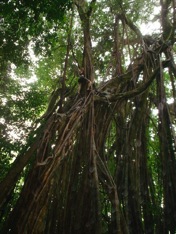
87, 116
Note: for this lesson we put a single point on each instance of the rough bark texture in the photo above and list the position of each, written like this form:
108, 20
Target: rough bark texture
72, 186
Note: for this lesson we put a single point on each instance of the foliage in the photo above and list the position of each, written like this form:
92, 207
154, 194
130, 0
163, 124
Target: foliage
23, 21
100, 156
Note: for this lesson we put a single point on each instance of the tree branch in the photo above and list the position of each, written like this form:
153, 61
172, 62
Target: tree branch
131, 25
133, 93
91, 6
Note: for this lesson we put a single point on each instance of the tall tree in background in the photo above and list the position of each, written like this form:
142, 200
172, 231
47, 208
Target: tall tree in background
99, 160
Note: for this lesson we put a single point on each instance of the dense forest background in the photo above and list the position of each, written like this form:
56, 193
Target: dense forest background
87, 116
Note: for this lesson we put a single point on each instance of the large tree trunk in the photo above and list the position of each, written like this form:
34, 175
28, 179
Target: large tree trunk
89, 170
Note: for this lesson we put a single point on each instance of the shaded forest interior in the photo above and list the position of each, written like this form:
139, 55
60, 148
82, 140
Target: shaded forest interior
100, 160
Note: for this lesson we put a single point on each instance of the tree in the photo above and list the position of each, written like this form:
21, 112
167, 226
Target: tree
99, 160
